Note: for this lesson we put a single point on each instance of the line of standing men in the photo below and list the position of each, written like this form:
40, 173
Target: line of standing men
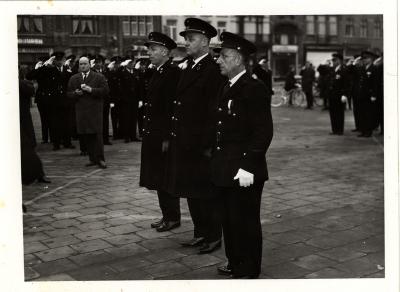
361, 81
206, 132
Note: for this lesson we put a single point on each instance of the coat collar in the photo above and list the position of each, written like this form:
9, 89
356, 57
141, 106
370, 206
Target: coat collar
190, 75
235, 88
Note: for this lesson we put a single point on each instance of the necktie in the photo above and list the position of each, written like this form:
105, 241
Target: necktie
226, 87
84, 76
190, 63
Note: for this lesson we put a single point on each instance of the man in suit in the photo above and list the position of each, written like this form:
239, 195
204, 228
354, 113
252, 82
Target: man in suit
338, 92
156, 120
88, 89
191, 136
307, 81
263, 73
368, 94
243, 132
130, 95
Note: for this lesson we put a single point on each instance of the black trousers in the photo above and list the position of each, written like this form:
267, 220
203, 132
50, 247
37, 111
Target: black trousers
336, 113
240, 212
106, 124
60, 125
116, 120
206, 219
309, 96
94, 146
140, 120
367, 116
44, 112
169, 205
129, 120
356, 112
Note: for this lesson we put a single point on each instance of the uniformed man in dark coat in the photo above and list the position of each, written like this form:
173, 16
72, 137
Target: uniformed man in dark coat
191, 136
354, 71
130, 95
338, 92
368, 94
88, 89
307, 81
263, 73
156, 123
114, 83
378, 63
243, 132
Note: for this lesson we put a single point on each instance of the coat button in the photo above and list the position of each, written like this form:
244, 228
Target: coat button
174, 101
144, 117
220, 109
219, 122
218, 148
172, 118
145, 103
234, 114
244, 154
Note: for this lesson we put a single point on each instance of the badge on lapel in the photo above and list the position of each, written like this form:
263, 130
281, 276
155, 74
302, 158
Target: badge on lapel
337, 76
369, 73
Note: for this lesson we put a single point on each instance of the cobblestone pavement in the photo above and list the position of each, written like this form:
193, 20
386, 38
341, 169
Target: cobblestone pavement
322, 212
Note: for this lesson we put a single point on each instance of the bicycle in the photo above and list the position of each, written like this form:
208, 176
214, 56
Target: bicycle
295, 97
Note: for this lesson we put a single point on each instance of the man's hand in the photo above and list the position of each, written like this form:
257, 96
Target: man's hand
49, 61
246, 179
344, 99
78, 92
164, 146
86, 88
373, 99
140, 103
38, 65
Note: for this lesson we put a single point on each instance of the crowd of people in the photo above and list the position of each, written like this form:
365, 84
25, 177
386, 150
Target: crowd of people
205, 125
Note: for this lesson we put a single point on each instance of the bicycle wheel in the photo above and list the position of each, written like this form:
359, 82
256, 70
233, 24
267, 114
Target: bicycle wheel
298, 98
277, 100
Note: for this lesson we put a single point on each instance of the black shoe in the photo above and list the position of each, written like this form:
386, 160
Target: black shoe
193, 242
43, 179
70, 146
56, 148
102, 164
157, 223
224, 270
245, 277
91, 163
210, 247
168, 225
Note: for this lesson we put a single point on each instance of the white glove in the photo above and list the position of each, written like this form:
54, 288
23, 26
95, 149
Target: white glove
67, 62
137, 65
38, 65
49, 61
254, 76
344, 99
111, 65
112, 105
140, 103
125, 63
373, 98
183, 65
246, 179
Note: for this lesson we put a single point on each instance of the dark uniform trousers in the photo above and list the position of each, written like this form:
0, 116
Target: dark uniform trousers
336, 113
129, 119
44, 112
240, 210
169, 205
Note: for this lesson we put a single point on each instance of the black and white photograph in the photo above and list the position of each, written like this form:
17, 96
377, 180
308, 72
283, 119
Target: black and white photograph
155, 146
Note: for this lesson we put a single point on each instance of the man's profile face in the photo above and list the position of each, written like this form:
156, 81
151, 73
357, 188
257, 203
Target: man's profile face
156, 54
84, 65
227, 61
194, 43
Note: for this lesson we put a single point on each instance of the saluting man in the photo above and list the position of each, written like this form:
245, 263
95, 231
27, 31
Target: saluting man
190, 138
243, 133
156, 122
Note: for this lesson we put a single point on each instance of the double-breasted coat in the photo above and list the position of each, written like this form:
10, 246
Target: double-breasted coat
89, 106
243, 131
368, 88
157, 109
188, 172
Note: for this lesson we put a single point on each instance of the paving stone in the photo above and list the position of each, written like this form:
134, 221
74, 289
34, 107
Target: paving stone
37, 236
58, 277
93, 234
94, 273
123, 229
31, 260
32, 247
62, 232
123, 239
30, 274
360, 267
314, 262
159, 243
149, 234
55, 267
341, 254
327, 273
60, 241
126, 250
92, 226
55, 253
90, 258
285, 271
69, 207
134, 274
166, 269
128, 263
200, 261
64, 223
163, 256
90, 245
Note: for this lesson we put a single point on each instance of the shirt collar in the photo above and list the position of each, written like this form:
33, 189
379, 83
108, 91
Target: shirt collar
199, 59
236, 78
87, 74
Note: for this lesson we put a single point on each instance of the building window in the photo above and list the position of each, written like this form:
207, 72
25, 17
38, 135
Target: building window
284, 39
266, 25
172, 29
84, 25
249, 25
310, 26
349, 28
378, 29
364, 28
149, 24
221, 27
332, 25
126, 28
29, 24
134, 25
142, 25
321, 25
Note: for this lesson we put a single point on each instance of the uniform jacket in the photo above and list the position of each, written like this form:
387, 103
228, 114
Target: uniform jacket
191, 129
130, 91
114, 83
243, 132
368, 83
89, 106
340, 84
265, 76
157, 109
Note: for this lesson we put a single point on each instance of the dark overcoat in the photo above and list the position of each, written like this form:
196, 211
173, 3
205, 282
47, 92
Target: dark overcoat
156, 123
243, 132
89, 106
191, 135
368, 88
